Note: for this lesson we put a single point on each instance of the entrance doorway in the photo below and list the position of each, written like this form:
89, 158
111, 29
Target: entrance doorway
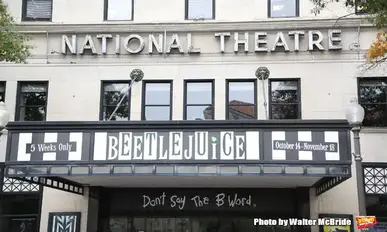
188, 224
197, 209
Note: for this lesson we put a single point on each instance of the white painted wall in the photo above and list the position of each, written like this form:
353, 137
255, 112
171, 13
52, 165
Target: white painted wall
146, 11
60, 201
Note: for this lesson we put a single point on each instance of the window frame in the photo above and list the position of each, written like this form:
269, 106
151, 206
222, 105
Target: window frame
298, 80
106, 10
186, 82
19, 93
297, 13
26, 19
358, 94
101, 105
143, 97
228, 81
187, 10
4, 83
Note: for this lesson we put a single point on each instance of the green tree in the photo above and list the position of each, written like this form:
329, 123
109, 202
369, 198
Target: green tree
376, 9
377, 14
14, 46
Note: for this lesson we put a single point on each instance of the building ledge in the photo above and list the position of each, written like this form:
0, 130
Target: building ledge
374, 130
212, 26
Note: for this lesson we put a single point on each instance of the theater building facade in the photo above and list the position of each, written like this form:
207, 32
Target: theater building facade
233, 116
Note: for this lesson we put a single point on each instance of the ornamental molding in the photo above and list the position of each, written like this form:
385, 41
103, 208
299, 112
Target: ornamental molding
206, 26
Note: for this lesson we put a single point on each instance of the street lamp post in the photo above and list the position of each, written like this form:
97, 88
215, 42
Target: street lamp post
355, 116
135, 76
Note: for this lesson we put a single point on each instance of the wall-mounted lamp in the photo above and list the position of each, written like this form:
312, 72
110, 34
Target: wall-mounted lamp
136, 75
262, 73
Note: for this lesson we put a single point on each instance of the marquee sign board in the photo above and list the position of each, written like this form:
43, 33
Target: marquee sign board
184, 146
177, 145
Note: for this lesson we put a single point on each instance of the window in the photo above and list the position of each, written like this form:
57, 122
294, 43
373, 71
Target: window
37, 10
118, 10
241, 99
19, 212
198, 100
32, 101
2, 91
283, 8
200, 9
157, 100
112, 94
284, 97
373, 97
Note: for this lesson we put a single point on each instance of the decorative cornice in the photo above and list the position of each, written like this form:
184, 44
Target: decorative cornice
212, 26
374, 130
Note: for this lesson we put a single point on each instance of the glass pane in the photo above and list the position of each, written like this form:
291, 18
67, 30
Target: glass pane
244, 224
241, 92
200, 113
139, 224
39, 9
157, 93
284, 111
122, 113
209, 224
200, 9
160, 224
118, 224
32, 113
119, 10
199, 93
372, 91
36, 88
157, 113
237, 112
33, 99
19, 205
2, 91
114, 92
182, 225
284, 91
375, 115
283, 8
20, 224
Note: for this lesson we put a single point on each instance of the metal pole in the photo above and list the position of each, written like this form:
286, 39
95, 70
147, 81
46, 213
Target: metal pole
120, 102
359, 171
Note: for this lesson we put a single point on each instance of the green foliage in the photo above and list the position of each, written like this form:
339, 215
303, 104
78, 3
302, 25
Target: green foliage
377, 9
14, 46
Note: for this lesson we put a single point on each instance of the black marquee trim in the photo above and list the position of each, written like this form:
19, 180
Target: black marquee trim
328, 183
54, 182
88, 126
375, 180
13, 186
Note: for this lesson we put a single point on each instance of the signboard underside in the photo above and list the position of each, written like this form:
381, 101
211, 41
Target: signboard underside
177, 170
